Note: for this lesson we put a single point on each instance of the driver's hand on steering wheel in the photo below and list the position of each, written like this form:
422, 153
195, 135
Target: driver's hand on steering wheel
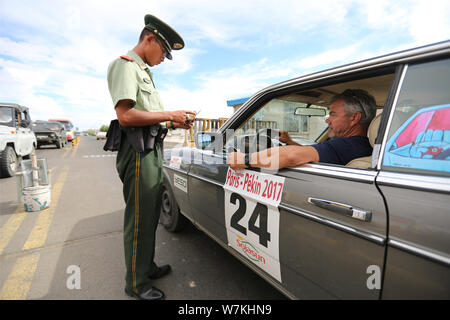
284, 137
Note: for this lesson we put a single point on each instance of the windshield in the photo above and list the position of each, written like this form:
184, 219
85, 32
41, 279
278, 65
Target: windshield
46, 126
67, 124
6, 116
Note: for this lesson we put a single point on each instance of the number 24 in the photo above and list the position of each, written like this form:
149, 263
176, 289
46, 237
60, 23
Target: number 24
260, 211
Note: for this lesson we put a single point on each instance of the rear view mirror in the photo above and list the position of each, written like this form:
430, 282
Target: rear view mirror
310, 112
208, 141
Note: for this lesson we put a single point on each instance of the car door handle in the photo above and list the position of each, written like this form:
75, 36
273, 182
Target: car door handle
344, 209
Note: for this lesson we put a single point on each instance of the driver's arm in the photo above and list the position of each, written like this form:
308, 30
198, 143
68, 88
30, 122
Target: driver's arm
275, 158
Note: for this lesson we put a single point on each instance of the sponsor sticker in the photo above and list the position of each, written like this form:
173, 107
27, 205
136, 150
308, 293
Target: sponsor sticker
180, 183
252, 217
175, 162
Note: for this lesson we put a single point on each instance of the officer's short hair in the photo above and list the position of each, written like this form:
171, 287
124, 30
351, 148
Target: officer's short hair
358, 100
145, 32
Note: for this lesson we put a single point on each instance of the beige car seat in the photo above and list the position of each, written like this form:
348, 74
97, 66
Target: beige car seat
372, 132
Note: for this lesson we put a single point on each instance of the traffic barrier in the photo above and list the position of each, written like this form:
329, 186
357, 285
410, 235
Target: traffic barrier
33, 184
75, 141
36, 198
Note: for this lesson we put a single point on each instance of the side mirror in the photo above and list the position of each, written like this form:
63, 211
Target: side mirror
310, 112
25, 123
208, 141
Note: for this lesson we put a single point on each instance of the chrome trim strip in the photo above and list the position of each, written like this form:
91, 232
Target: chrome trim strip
334, 225
420, 252
410, 181
205, 180
175, 169
366, 176
391, 116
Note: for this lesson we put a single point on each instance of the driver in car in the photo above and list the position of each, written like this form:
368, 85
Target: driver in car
350, 115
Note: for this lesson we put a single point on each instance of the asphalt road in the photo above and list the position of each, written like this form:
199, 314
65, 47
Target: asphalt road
74, 249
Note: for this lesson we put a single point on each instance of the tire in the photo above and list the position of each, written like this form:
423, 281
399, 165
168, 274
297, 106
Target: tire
8, 162
171, 217
59, 144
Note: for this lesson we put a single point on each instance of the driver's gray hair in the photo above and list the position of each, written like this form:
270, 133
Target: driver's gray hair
358, 100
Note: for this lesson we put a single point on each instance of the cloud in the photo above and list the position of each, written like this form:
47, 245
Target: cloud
430, 23
54, 54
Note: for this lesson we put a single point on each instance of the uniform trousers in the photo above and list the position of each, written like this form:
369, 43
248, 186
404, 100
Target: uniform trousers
142, 177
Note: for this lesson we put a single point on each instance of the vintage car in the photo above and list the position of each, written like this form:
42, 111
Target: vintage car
50, 132
376, 228
100, 135
69, 127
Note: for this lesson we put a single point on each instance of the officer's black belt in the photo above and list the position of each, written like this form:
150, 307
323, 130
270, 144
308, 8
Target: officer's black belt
140, 138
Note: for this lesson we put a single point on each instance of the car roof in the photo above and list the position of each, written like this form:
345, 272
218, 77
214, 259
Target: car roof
388, 60
45, 121
405, 56
58, 120
13, 105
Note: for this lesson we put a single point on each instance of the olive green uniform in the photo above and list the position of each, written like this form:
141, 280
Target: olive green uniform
129, 78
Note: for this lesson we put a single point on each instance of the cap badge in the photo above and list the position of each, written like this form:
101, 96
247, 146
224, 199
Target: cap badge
177, 45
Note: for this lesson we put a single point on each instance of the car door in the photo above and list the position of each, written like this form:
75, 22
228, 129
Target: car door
323, 232
328, 249
27, 137
20, 135
415, 181
332, 223
206, 180
177, 163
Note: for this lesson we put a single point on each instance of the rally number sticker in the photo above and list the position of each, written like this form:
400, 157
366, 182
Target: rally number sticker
252, 217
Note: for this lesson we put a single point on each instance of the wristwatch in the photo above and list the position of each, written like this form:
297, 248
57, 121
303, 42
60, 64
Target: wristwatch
171, 125
247, 160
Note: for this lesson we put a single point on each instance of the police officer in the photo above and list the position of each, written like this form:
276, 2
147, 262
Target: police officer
138, 106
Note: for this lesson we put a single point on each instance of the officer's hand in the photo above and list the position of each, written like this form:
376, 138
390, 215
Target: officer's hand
186, 125
180, 116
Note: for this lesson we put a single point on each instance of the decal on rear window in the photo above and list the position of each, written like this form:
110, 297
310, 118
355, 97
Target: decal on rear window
422, 142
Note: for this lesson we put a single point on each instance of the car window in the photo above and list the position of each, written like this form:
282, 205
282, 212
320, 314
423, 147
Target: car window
280, 114
6, 116
302, 113
419, 136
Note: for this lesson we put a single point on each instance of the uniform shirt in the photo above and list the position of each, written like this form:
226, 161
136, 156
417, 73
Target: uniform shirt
132, 80
343, 150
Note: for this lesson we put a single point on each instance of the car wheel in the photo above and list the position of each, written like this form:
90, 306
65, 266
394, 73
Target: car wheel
8, 162
59, 144
171, 217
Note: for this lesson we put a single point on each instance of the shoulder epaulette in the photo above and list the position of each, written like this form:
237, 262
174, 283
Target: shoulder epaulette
127, 58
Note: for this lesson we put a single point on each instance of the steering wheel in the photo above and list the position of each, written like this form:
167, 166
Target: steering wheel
271, 136
271, 133
264, 139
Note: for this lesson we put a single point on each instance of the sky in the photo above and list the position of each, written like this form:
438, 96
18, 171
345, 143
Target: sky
54, 55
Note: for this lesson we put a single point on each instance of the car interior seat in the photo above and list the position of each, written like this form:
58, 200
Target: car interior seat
372, 132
